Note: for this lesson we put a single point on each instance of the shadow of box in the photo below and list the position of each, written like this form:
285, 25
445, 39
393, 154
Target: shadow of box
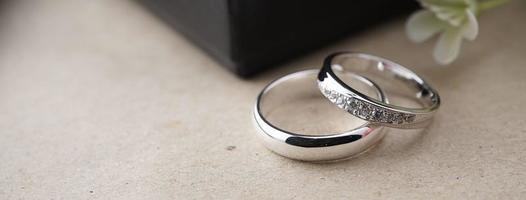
248, 36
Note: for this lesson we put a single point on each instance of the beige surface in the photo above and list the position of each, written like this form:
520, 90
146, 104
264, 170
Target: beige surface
100, 100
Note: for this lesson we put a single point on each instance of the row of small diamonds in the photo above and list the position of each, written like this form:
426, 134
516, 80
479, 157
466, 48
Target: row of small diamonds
366, 110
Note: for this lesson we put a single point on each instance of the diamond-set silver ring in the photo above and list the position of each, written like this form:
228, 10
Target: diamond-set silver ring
366, 108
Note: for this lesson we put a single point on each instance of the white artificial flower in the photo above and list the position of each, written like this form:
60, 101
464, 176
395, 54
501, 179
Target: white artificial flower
453, 19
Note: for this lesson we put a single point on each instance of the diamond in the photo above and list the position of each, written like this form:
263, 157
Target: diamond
377, 114
397, 118
386, 117
355, 112
354, 106
333, 95
347, 103
326, 91
340, 101
365, 111
358, 103
353, 103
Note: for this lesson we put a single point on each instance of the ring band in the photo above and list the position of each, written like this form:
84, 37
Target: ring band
366, 108
315, 147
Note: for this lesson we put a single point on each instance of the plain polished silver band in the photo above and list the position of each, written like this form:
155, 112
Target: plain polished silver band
326, 147
370, 109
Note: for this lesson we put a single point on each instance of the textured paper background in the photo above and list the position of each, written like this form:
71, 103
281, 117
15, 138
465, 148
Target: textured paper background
101, 100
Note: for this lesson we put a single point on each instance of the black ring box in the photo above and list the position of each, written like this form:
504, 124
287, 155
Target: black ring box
248, 36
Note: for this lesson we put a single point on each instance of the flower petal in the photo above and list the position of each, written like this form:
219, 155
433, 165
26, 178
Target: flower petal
448, 46
471, 27
422, 25
452, 11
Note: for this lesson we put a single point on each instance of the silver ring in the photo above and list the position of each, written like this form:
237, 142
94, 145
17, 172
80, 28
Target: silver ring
369, 109
327, 147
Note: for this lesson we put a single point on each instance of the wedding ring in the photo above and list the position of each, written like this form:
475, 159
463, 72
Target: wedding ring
366, 108
326, 147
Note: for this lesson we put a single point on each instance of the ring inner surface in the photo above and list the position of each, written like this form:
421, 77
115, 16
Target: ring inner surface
402, 87
296, 105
